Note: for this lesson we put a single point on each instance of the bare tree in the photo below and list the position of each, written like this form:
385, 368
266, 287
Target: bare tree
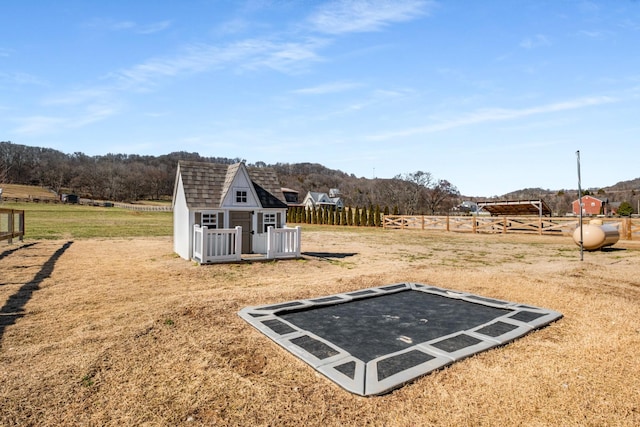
440, 195
415, 195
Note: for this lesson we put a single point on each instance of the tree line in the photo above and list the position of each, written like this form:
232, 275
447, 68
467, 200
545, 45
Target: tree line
369, 216
131, 177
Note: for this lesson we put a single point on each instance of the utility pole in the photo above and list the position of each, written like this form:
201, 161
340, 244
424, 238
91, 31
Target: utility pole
580, 208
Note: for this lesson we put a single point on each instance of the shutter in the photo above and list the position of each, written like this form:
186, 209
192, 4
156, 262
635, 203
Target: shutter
260, 223
220, 221
198, 219
278, 220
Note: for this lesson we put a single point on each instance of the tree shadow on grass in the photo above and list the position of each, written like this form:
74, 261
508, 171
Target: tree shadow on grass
13, 308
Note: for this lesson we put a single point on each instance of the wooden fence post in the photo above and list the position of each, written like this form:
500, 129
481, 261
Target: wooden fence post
11, 229
540, 225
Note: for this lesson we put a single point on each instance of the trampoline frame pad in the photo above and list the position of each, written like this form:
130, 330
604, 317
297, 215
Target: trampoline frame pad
381, 373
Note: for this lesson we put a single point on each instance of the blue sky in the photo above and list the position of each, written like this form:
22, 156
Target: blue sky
493, 96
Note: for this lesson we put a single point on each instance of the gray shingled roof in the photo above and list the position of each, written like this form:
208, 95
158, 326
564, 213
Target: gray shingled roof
205, 184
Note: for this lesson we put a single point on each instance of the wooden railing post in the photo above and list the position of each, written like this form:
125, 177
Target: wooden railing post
11, 229
627, 228
540, 225
21, 226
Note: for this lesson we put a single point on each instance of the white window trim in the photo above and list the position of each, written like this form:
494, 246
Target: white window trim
269, 219
210, 215
236, 192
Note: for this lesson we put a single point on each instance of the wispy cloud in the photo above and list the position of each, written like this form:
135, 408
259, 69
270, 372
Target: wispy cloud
539, 40
234, 26
339, 17
91, 104
334, 87
43, 124
20, 78
35, 125
246, 54
279, 52
497, 115
594, 34
103, 24
77, 97
153, 27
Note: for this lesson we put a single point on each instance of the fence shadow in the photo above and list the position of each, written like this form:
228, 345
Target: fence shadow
13, 308
339, 255
8, 252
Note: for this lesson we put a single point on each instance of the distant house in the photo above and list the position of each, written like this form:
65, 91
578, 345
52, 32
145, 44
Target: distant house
590, 206
211, 200
315, 200
466, 207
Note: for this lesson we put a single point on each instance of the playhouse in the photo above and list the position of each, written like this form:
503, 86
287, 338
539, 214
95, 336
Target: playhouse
222, 212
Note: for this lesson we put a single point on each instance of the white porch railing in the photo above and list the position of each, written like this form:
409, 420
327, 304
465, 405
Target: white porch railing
283, 242
217, 244
225, 245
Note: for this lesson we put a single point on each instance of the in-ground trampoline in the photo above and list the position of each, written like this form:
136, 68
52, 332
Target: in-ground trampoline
374, 340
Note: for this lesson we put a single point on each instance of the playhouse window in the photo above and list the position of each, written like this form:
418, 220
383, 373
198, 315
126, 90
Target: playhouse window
241, 196
269, 220
210, 220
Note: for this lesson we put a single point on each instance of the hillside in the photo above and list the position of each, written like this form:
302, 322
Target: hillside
23, 191
122, 177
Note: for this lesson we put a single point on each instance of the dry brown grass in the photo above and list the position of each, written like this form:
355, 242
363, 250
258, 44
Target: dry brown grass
122, 332
25, 191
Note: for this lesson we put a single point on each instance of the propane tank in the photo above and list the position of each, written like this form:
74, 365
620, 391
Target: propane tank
596, 235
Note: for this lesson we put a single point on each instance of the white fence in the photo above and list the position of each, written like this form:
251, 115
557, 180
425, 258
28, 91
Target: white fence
283, 242
225, 245
217, 245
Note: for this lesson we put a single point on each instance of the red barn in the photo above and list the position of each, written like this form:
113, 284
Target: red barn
590, 206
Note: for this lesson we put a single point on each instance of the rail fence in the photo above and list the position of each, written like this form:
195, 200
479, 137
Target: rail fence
11, 224
145, 208
30, 199
90, 202
629, 227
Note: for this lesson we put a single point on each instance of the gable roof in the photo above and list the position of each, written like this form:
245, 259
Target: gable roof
589, 197
205, 184
318, 197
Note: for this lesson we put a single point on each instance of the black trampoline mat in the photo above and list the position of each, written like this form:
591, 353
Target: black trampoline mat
372, 327
374, 340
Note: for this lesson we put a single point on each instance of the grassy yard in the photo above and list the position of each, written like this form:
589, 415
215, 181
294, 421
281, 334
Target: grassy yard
61, 221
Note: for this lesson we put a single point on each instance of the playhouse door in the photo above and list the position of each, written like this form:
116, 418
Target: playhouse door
244, 220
